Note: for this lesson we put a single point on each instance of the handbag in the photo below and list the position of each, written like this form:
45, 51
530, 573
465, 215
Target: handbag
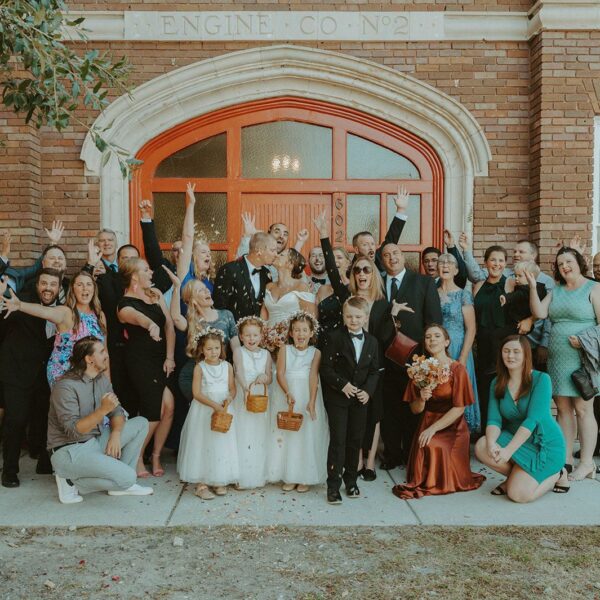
401, 349
583, 382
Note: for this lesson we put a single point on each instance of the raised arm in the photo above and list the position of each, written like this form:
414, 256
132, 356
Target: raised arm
474, 272
248, 219
61, 316
151, 246
339, 289
187, 235
179, 320
394, 231
539, 308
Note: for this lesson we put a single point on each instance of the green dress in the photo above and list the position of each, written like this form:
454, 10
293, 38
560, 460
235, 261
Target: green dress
543, 453
571, 312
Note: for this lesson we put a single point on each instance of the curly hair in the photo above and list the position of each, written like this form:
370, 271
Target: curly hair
298, 262
578, 257
195, 319
304, 317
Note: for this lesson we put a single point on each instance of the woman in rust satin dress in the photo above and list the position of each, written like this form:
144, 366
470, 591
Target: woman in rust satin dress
439, 457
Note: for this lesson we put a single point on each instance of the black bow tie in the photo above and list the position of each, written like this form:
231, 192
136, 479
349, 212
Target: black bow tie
358, 336
317, 280
255, 271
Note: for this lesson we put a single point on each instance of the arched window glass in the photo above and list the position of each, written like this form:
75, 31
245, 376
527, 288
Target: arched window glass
206, 158
367, 160
286, 150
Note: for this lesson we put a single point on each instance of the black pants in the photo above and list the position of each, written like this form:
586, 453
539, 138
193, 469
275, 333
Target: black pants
399, 424
346, 431
483, 389
19, 406
120, 379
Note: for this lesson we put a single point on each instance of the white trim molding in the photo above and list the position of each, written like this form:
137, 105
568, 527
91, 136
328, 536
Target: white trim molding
596, 189
289, 26
267, 72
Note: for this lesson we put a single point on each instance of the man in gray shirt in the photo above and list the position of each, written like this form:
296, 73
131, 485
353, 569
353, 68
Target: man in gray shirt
92, 446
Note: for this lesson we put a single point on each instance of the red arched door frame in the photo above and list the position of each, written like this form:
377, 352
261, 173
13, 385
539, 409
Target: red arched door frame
341, 119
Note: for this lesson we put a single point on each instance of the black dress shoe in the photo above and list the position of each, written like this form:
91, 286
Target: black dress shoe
44, 466
334, 497
368, 474
353, 491
10, 480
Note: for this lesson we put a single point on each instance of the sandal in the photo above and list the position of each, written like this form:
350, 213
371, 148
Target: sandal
302, 488
203, 492
220, 490
288, 487
143, 473
583, 471
157, 472
562, 489
499, 490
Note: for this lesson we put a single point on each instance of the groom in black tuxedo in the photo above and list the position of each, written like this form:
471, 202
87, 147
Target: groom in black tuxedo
350, 372
241, 284
420, 306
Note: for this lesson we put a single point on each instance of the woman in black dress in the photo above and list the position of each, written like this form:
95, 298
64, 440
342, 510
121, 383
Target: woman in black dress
149, 355
329, 308
366, 282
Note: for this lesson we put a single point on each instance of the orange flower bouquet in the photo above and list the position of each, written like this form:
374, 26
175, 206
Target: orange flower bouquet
427, 372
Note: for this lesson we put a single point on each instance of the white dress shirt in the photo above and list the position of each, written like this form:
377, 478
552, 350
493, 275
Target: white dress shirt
255, 279
358, 344
388, 283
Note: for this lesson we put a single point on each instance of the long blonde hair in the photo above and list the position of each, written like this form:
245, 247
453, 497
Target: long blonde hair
196, 321
95, 305
128, 268
376, 289
210, 274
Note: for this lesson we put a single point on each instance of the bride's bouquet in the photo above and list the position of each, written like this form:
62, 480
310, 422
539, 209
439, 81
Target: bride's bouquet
276, 336
427, 372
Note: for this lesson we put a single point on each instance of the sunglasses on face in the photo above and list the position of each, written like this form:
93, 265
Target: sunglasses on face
366, 269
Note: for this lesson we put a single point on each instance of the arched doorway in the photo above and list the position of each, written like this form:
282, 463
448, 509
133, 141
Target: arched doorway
285, 159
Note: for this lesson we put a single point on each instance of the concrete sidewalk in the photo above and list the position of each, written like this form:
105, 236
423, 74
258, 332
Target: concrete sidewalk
35, 504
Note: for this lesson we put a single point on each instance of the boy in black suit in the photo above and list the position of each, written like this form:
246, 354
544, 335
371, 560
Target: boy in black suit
349, 371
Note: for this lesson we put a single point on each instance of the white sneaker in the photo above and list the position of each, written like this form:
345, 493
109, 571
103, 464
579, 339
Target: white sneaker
67, 494
134, 490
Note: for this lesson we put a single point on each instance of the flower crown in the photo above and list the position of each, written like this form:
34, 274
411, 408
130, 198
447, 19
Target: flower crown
209, 331
250, 318
302, 314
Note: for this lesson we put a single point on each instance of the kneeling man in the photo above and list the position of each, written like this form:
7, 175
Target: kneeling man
92, 446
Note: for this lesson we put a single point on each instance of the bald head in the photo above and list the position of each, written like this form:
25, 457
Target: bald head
392, 259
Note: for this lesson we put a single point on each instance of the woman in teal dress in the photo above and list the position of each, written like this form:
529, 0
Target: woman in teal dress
459, 320
573, 306
522, 440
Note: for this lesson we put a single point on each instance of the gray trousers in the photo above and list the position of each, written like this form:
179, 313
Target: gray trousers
91, 470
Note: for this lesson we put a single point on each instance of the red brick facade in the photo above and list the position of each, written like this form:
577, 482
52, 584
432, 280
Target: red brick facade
535, 102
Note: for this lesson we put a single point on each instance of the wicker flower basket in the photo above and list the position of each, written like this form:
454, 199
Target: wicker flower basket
289, 420
257, 403
221, 421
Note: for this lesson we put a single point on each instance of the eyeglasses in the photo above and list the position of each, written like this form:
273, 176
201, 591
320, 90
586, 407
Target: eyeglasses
366, 269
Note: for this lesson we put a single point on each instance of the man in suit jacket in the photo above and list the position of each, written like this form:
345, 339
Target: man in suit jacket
23, 358
240, 285
350, 372
419, 306
364, 243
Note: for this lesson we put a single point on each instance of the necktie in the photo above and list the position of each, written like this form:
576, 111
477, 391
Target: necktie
255, 271
113, 267
358, 336
317, 280
394, 289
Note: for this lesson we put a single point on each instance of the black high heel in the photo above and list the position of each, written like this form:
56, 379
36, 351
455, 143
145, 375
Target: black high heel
569, 468
562, 489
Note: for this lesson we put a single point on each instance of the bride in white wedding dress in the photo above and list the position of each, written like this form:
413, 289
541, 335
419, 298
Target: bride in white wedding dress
290, 293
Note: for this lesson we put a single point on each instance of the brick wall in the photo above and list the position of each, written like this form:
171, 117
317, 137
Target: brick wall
20, 186
326, 5
565, 96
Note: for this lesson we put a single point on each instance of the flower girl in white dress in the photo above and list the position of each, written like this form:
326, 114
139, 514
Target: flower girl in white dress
206, 457
304, 452
252, 365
